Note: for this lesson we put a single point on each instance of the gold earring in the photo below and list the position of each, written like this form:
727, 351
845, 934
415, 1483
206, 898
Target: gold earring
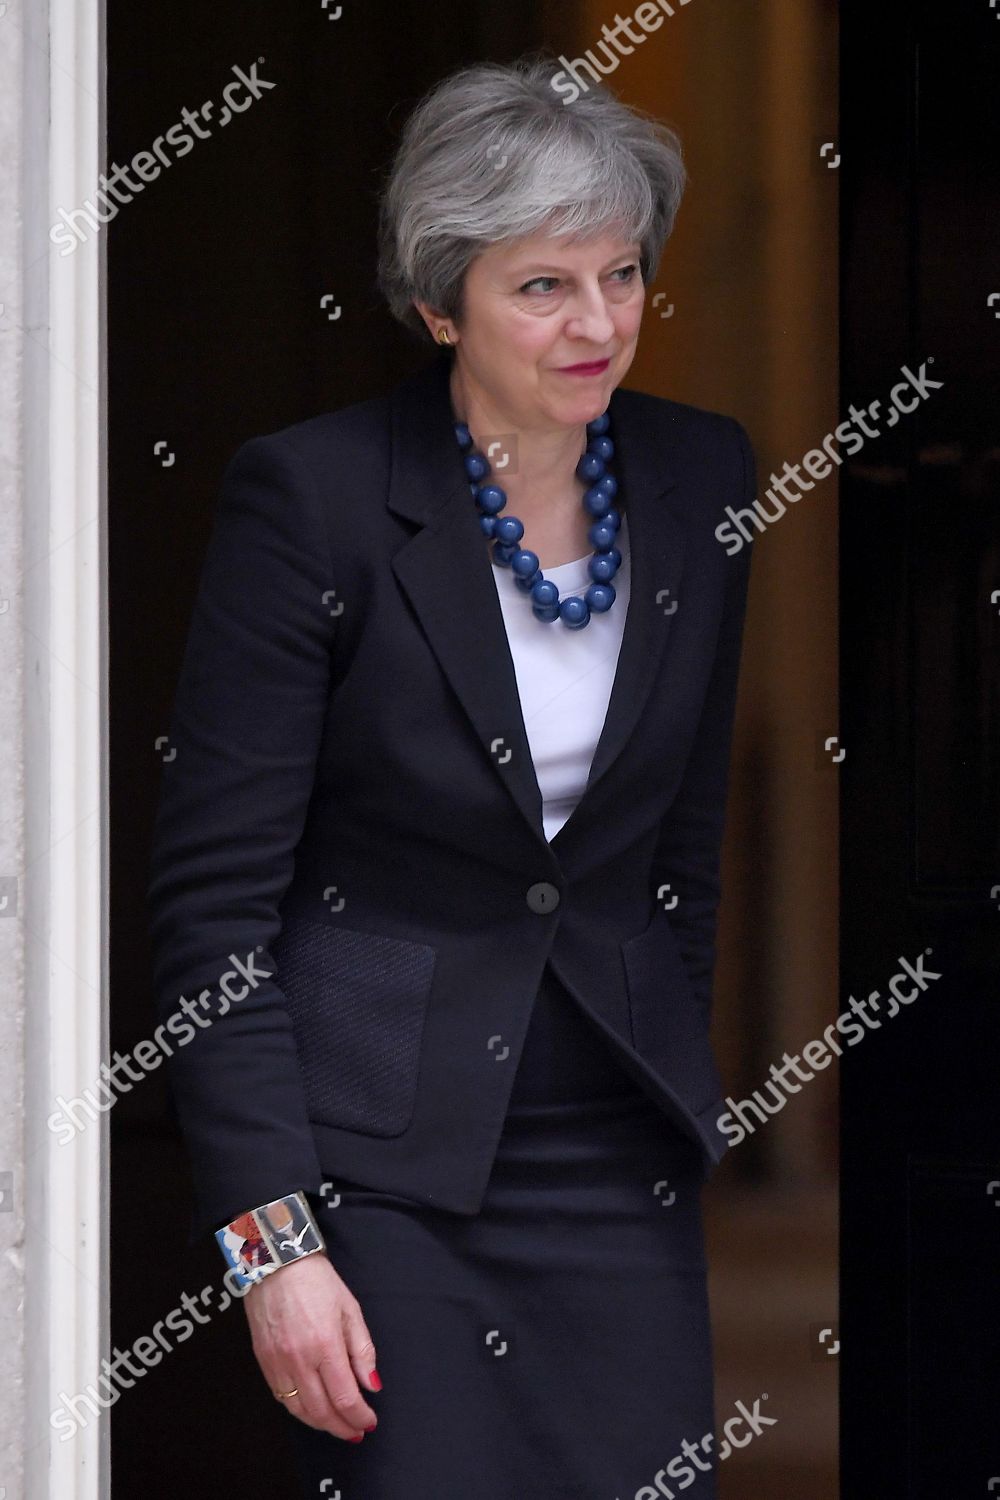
443, 337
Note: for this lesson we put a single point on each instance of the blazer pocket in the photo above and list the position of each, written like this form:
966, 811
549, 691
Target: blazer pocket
668, 1027
357, 1002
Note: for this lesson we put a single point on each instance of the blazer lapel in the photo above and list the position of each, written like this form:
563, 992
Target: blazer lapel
446, 572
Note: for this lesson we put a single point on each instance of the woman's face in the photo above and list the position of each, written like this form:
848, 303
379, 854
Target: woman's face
537, 306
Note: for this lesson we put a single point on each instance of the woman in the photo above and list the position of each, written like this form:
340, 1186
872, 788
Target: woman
452, 735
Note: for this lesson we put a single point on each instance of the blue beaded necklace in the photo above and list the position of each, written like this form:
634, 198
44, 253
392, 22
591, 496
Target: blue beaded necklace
507, 531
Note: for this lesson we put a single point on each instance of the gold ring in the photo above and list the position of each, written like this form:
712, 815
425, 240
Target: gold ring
287, 1395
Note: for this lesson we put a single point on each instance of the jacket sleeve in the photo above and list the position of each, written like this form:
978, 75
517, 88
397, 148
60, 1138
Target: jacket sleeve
689, 846
238, 772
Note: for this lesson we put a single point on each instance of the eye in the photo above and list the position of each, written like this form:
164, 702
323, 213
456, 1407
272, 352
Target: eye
626, 274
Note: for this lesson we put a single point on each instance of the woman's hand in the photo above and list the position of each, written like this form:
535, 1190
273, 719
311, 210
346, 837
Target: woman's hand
308, 1334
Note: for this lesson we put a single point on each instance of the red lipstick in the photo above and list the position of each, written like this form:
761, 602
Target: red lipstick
595, 367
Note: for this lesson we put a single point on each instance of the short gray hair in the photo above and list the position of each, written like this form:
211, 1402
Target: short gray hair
584, 169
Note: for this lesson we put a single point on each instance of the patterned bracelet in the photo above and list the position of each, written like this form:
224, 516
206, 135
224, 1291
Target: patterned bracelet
269, 1237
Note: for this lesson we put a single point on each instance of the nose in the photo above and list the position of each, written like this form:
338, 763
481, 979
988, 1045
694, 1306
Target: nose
590, 318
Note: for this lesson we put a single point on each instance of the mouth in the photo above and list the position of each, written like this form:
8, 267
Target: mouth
595, 367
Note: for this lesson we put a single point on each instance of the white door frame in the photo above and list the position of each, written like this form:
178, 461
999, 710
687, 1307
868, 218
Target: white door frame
64, 911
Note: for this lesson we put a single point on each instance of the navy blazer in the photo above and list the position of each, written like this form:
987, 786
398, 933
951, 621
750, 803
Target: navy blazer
352, 899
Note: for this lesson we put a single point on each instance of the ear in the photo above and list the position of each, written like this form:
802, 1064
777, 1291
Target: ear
432, 318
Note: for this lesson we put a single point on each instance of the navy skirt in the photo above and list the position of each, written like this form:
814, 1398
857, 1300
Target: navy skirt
556, 1345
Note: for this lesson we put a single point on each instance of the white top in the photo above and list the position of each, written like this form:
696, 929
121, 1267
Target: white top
564, 679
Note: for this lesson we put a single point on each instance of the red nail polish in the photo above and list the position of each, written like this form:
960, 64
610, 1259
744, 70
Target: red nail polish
374, 1378
372, 1427
358, 1439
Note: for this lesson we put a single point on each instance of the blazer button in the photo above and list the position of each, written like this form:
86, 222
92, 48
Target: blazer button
543, 896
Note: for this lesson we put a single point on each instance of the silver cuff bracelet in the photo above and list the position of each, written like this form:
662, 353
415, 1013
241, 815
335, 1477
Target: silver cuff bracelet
269, 1237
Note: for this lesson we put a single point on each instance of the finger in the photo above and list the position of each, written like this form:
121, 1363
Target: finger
313, 1406
292, 1401
342, 1392
310, 1403
360, 1347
